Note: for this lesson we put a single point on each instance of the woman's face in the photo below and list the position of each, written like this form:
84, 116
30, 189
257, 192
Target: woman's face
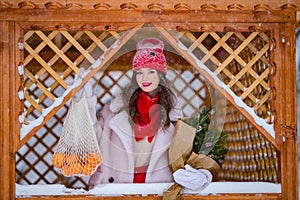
147, 79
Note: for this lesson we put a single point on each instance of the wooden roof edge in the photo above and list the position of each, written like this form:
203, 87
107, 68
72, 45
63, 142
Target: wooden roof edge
254, 5
111, 17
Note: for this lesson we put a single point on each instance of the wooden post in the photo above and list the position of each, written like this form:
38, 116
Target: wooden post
287, 115
9, 108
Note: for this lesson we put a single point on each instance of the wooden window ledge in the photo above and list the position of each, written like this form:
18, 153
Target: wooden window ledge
146, 189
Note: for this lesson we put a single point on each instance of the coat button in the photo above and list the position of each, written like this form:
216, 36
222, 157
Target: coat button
111, 179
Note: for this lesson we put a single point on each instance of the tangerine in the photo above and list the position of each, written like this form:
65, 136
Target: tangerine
88, 169
76, 168
65, 169
72, 159
93, 159
58, 159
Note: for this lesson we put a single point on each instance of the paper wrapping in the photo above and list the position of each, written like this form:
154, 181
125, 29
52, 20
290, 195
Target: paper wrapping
181, 153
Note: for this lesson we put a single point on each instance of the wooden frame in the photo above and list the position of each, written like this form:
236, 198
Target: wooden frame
280, 20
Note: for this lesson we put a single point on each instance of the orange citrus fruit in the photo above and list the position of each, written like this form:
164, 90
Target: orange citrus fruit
65, 169
72, 158
88, 169
76, 168
93, 159
58, 159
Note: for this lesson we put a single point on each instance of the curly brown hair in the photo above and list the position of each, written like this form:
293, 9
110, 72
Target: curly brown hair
166, 99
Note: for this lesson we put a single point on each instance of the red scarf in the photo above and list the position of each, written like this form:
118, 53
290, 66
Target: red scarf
148, 123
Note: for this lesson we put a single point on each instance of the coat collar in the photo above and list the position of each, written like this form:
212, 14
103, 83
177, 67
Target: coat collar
120, 125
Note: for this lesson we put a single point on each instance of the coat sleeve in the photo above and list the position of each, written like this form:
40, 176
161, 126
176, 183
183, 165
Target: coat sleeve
176, 112
102, 128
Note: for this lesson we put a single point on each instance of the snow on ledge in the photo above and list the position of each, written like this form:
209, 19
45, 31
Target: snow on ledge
117, 189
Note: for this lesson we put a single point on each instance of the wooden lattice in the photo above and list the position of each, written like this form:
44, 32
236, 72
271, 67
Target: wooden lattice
240, 60
52, 58
47, 51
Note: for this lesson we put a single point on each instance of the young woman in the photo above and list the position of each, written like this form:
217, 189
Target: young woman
135, 129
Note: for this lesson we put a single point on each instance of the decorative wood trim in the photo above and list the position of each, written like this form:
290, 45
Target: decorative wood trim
288, 114
9, 108
168, 5
156, 197
146, 16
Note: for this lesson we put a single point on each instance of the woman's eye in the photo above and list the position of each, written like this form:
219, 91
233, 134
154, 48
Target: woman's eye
152, 71
138, 73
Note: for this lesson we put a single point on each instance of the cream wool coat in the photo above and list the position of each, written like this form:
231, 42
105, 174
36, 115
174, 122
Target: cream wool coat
115, 138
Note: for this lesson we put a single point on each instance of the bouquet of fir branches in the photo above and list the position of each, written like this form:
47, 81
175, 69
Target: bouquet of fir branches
210, 142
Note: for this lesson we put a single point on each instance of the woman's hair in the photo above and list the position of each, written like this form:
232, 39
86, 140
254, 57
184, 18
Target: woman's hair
166, 99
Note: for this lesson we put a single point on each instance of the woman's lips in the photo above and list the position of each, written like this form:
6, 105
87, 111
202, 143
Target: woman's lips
146, 84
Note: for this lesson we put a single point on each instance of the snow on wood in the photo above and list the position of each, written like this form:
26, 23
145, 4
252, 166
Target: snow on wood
147, 188
239, 102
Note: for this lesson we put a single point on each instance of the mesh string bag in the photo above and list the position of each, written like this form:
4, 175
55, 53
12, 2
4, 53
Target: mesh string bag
77, 152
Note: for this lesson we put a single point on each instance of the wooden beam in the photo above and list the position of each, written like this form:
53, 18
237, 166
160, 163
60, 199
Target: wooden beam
155, 4
9, 108
287, 111
298, 19
63, 16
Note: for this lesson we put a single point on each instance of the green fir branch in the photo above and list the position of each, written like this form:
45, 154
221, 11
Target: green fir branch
216, 138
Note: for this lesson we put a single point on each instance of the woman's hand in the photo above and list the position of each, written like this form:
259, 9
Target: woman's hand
193, 179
